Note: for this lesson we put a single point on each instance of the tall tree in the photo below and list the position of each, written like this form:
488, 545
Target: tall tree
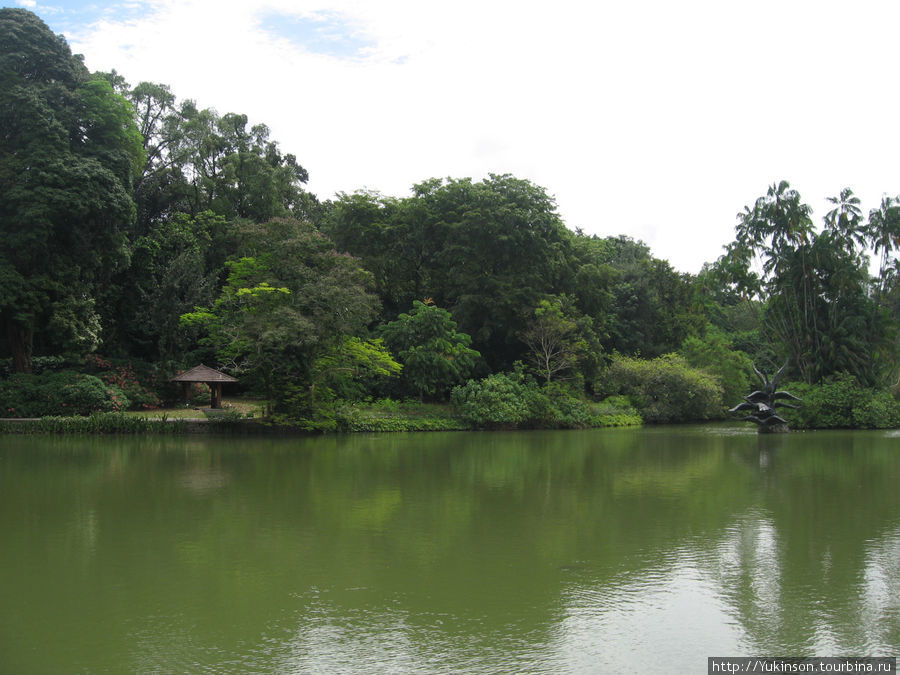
435, 356
883, 231
290, 300
69, 151
555, 346
818, 309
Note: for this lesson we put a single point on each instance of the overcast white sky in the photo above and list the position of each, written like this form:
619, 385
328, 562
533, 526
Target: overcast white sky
652, 118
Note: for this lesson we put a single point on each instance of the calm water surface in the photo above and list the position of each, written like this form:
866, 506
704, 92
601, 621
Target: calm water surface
596, 551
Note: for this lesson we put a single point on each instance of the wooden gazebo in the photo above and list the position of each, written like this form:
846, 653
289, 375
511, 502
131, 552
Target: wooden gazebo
204, 375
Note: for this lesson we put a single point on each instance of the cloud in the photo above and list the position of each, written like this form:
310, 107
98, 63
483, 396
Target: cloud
320, 33
655, 119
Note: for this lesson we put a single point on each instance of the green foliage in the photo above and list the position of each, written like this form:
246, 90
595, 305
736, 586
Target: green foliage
487, 251
222, 418
68, 153
344, 371
174, 268
665, 389
556, 345
200, 161
819, 310
290, 301
40, 364
62, 393
391, 415
150, 228
514, 400
615, 411
645, 306
713, 354
841, 402
123, 376
95, 423
231, 170
434, 354
555, 406
497, 401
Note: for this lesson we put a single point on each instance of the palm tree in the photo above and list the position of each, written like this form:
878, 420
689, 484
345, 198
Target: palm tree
844, 222
883, 231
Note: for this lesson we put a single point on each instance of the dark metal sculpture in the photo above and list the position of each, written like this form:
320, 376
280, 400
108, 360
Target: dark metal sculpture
763, 403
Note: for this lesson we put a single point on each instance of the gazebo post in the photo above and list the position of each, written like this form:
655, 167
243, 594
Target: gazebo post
216, 395
186, 391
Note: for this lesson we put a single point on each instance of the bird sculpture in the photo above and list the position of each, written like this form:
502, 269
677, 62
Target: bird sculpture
762, 405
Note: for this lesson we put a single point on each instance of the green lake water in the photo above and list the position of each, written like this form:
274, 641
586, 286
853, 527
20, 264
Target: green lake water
546, 552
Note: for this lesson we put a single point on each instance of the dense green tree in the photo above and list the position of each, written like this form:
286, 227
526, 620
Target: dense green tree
175, 267
235, 171
69, 151
162, 189
377, 229
435, 356
502, 247
343, 371
488, 251
290, 300
652, 308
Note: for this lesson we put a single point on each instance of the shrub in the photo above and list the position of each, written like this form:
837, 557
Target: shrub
63, 393
123, 375
665, 389
514, 400
615, 411
499, 400
840, 402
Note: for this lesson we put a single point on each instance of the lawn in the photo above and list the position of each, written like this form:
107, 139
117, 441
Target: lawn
241, 405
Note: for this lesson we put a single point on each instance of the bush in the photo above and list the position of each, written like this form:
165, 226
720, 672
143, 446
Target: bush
555, 406
501, 400
514, 400
615, 411
124, 376
63, 393
840, 402
665, 389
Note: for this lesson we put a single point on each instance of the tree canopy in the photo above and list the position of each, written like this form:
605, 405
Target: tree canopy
142, 225
69, 151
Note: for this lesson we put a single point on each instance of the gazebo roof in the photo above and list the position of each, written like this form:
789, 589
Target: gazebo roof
202, 373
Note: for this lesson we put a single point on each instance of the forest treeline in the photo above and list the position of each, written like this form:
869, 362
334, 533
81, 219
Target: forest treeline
159, 235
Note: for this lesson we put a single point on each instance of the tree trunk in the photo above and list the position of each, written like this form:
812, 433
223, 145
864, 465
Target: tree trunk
20, 339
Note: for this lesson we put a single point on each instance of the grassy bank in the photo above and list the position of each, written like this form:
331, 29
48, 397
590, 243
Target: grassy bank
247, 415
